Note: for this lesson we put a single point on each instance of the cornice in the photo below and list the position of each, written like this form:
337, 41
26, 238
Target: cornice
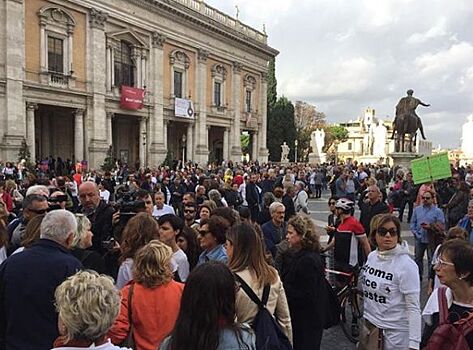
175, 10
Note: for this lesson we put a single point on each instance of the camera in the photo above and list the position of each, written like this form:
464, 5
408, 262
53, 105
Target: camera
109, 244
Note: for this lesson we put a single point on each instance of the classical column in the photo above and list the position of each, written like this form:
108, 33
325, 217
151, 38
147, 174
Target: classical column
137, 60
226, 133
42, 45
13, 127
110, 116
263, 150
109, 67
236, 101
97, 134
202, 149
79, 134
165, 132
190, 142
143, 141
157, 137
254, 146
30, 128
143, 70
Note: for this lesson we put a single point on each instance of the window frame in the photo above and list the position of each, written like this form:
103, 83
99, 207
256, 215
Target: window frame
119, 62
56, 37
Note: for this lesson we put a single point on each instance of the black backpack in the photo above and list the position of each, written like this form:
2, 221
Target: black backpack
269, 335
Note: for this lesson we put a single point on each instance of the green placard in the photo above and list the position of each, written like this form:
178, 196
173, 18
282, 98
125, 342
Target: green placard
435, 167
421, 170
440, 166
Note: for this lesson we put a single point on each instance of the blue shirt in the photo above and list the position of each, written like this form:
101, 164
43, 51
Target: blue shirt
217, 254
428, 215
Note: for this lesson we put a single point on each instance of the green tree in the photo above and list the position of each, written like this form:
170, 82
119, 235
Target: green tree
334, 134
272, 85
108, 163
245, 143
281, 129
24, 153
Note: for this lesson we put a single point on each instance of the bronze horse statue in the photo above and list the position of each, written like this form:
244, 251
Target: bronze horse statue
407, 122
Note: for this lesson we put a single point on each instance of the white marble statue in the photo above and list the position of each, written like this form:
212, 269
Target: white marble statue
317, 142
467, 140
284, 153
379, 145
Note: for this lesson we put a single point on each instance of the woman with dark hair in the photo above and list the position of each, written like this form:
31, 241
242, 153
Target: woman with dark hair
247, 260
211, 239
332, 220
303, 277
391, 287
187, 241
3, 234
170, 226
454, 268
206, 319
457, 206
140, 230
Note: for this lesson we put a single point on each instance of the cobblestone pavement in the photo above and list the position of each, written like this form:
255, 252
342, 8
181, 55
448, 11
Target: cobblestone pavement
333, 338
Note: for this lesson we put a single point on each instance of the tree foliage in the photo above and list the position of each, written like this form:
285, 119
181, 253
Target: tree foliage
245, 143
24, 153
307, 116
108, 163
334, 134
272, 85
281, 128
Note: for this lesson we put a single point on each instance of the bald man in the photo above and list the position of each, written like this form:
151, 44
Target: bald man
98, 212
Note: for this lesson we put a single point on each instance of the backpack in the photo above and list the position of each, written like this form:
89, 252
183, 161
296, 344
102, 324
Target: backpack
269, 335
449, 336
332, 316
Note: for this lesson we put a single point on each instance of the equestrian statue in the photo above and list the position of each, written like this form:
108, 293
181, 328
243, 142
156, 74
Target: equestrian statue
407, 122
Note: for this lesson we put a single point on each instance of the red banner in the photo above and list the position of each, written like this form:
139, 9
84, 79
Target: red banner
132, 98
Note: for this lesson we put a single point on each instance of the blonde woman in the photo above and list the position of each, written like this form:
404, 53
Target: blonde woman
88, 304
247, 260
91, 260
153, 297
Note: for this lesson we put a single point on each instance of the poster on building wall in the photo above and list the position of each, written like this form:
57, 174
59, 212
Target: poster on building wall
183, 108
131, 98
430, 168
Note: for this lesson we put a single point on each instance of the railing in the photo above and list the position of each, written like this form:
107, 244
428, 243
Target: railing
225, 19
58, 79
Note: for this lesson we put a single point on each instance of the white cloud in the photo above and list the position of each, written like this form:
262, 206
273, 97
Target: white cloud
438, 30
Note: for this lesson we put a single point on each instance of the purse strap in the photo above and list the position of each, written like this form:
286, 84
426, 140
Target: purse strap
252, 295
443, 306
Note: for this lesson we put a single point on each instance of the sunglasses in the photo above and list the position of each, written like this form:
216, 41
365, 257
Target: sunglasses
39, 211
384, 231
332, 203
203, 232
189, 211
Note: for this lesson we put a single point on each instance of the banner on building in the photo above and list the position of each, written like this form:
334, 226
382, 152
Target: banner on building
183, 108
131, 98
430, 168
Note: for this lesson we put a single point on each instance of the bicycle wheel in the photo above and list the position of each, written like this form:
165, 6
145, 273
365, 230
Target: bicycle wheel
351, 314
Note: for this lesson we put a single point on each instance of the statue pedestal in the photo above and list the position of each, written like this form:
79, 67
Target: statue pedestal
403, 160
315, 158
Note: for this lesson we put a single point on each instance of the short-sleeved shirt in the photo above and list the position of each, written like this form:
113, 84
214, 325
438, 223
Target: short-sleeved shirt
348, 233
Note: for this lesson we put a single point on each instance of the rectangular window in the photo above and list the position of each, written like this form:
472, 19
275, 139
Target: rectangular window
218, 94
55, 55
124, 68
178, 84
248, 101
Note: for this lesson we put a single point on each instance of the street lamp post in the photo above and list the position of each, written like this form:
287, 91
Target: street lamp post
184, 139
295, 150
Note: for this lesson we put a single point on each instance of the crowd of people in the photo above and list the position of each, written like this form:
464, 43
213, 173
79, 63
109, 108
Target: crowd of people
185, 257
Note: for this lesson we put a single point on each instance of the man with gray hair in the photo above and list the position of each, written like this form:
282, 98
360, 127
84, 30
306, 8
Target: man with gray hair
274, 231
28, 319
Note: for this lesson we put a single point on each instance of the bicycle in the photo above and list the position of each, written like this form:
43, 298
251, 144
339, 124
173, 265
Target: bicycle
351, 304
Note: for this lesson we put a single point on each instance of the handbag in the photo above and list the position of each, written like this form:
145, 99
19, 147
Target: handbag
371, 337
129, 341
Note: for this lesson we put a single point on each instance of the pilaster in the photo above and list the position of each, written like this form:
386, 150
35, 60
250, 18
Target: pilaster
79, 135
202, 151
30, 128
263, 150
236, 98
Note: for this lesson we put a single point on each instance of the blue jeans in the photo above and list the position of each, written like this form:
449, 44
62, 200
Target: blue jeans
420, 249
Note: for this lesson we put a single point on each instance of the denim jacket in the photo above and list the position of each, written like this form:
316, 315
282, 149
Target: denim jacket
228, 340
217, 254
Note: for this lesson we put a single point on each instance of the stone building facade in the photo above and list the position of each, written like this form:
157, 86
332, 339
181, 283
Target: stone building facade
63, 64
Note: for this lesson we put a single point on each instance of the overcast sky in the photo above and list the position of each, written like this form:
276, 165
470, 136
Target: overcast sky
345, 55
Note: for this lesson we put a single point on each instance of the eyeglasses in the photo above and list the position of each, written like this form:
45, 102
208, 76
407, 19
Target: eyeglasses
189, 211
382, 231
442, 264
426, 198
203, 232
332, 203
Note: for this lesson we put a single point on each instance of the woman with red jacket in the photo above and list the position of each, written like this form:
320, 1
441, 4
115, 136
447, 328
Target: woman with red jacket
154, 301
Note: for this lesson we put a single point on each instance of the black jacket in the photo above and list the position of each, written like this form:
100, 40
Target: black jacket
303, 279
102, 229
368, 211
28, 319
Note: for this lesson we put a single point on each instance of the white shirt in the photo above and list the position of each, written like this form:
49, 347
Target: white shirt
105, 195
107, 346
124, 273
180, 264
3, 254
167, 209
